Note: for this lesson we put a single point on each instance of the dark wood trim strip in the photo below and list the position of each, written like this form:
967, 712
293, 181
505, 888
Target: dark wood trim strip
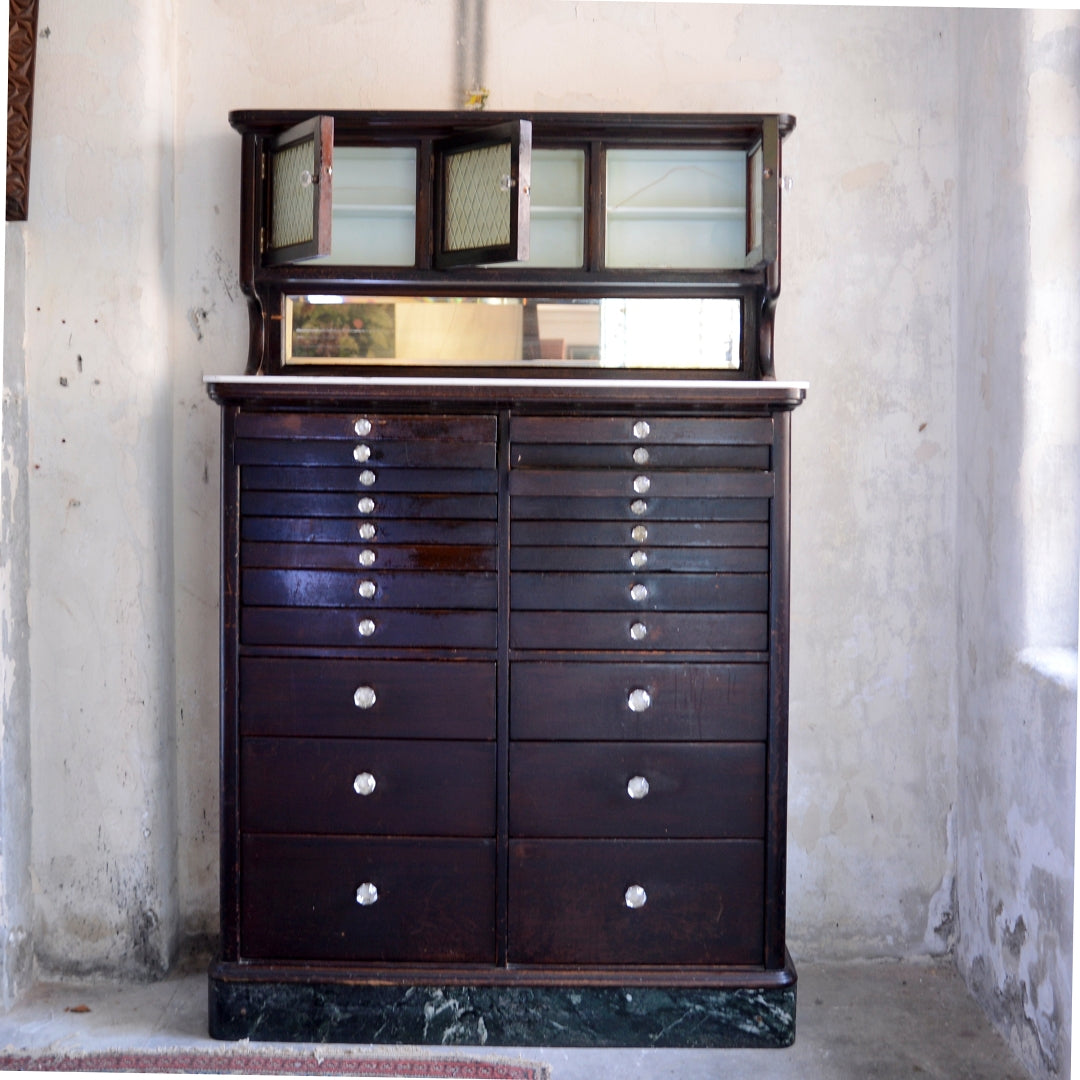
22, 53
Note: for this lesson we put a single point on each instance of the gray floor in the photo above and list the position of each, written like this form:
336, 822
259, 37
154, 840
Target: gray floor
855, 1021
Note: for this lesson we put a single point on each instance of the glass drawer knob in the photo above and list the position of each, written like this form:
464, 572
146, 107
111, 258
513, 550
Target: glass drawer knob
641, 456
362, 452
635, 897
362, 426
638, 787
639, 507
364, 697
639, 631
366, 627
366, 589
639, 559
367, 531
367, 478
367, 894
639, 700
364, 784
639, 592
366, 505
366, 557
639, 534
642, 484
641, 429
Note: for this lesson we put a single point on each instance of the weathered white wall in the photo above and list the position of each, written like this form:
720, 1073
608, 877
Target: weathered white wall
1018, 521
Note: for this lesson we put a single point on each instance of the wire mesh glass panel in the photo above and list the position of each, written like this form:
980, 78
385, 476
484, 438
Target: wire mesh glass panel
293, 217
478, 198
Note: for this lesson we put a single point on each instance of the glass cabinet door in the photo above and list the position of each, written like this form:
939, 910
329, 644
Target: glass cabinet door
299, 165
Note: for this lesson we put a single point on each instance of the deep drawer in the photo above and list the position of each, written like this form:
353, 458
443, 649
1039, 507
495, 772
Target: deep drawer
355, 629
340, 504
641, 430
608, 483
372, 426
367, 588
639, 592
415, 453
367, 786
359, 528
703, 902
442, 699
455, 557
647, 632
435, 899
366, 479
681, 702
645, 790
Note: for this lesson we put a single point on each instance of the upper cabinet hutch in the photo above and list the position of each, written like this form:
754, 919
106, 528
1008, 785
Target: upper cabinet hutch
505, 583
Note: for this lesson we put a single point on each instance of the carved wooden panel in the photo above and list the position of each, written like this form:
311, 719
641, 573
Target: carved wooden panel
21, 50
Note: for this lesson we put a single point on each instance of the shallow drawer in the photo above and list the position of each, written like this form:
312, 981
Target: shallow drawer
354, 629
699, 902
364, 425
350, 529
641, 430
687, 560
639, 592
370, 507
686, 790
367, 786
626, 456
673, 701
367, 479
636, 533
434, 900
593, 483
457, 557
368, 588
647, 632
414, 453
444, 699
642, 508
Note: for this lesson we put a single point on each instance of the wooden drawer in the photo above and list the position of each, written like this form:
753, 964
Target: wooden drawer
639, 592
627, 456
642, 430
689, 631
372, 426
370, 507
642, 484
339, 627
704, 902
457, 557
355, 528
367, 786
440, 699
368, 589
638, 509
646, 790
712, 534
435, 899
694, 702
366, 479
685, 560
414, 453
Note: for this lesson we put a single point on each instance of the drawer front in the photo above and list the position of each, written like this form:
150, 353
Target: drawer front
637, 509
367, 507
434, 900
684, 702
456, 557
338, 627
639, 592
646, 632
641, 430
631, 484
685, 560
703, 902
440, 699
636, 533
645, 790
366, 479
361, 532
365, 426
348, 453
627, 456
367, 786
367, 588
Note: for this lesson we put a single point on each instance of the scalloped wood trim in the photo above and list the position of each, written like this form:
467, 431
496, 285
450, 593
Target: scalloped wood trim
22, 48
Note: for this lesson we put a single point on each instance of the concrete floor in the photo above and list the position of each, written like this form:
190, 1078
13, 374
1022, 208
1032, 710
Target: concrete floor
869, 1021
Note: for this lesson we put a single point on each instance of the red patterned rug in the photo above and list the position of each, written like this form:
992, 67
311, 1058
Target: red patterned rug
255, 1062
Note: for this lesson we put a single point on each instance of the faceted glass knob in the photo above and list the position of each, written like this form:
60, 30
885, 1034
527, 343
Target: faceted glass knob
366, 505
639, 592
639, 631
366, 589
361, 452
635, 897
639, 534
367, 894
641, 429
364, 784
367, 531
639, 506
367, 478
639, 700
641, 456
639, 559
364, 697
362, 426
642, 484
366, 557
366, 627
638, 787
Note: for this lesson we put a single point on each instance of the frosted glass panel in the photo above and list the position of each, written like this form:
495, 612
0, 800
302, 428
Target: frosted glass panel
557, 223
676, 209
374, 218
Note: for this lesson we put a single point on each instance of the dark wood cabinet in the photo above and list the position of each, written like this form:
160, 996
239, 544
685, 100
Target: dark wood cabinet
504, 652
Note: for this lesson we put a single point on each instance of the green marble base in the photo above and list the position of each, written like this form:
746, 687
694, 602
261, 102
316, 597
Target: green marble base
294, 1010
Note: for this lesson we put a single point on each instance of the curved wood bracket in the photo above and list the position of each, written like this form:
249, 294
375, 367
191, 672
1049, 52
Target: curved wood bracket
22, 49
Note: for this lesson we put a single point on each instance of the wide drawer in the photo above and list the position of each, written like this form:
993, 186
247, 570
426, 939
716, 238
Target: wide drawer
368, 588
366, 479
456, 557
442, 699
355, 527
355, 629
645, 790
635, 591
414, 453
342, 504
434, 900
691, 631
643, 430
638, 701
367, 786
601, 483
686, 560
636, 509
555, 532
365, 425
697, 902
627, 456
